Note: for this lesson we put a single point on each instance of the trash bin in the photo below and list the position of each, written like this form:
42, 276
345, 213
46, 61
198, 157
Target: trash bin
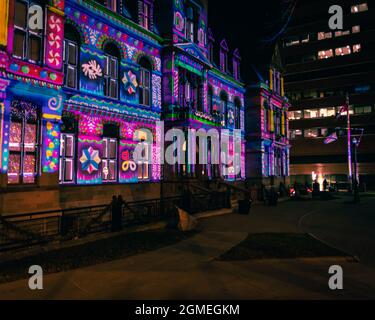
244, 206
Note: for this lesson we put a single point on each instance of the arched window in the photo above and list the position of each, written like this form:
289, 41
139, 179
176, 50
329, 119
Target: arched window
236, 64
224, 106
23, 143
28, 37
145, 82
111, 70
210, 103
237, 105
71, 56
224, 56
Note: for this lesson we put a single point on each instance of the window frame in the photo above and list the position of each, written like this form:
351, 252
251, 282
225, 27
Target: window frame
63, 158
23, 152
109, 78
107, 159
29, 34
67, 65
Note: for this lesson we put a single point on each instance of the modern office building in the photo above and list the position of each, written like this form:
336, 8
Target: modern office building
322, 67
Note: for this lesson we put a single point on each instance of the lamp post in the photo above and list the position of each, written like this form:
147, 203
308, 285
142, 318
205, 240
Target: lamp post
350, 174
355, 176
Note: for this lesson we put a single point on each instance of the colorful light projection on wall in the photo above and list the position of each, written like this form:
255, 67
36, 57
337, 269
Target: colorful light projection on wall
130, 82
54, 43
128, 168
90, 160
51, 144
89, 125
90, 149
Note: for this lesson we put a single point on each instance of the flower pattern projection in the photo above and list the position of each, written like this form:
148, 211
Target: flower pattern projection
92, 70
130, 82
90, 160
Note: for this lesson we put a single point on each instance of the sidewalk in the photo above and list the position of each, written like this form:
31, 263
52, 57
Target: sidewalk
189, 269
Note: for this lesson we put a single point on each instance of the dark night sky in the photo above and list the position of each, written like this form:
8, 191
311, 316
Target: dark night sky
247, 24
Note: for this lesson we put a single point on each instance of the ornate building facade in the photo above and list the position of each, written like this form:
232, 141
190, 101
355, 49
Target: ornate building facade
268, 149
83, 81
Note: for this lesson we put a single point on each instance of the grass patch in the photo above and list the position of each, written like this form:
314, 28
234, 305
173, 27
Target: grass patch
92, 253
279, 246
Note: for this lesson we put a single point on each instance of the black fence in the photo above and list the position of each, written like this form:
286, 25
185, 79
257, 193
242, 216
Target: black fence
42, 227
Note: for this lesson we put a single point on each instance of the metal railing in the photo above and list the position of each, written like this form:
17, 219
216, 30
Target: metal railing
21, 230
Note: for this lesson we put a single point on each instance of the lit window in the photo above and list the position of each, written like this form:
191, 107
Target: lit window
356, 29
359, 8
70, 53
190, 26
23, 143
145, 83
292, 41
356, 48
28, 41
145, 14
343, 51
305, 38
224, 56
66, 172
111, 67
311, 113
295, 133
342, 33
110, 4
311, 133
143, 166
324, 35
109, 160
325, 54
295, 115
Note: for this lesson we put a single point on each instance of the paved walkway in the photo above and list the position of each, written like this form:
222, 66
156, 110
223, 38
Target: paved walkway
188, 270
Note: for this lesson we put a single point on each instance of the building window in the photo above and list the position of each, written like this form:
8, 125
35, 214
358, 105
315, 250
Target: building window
190, 23
295, 115
311, 133
71, 50
144, 166
224, 56
356, 29
237, 104
361, 110
67, 151
210, 102
294, 134
145, 14
145, 82
359, 8
23, 143
109, 160
28, 41
343, 51
292, 41
236, 65
325, 54
324, 35
110, 4
111, 69
224, 107
357, 48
